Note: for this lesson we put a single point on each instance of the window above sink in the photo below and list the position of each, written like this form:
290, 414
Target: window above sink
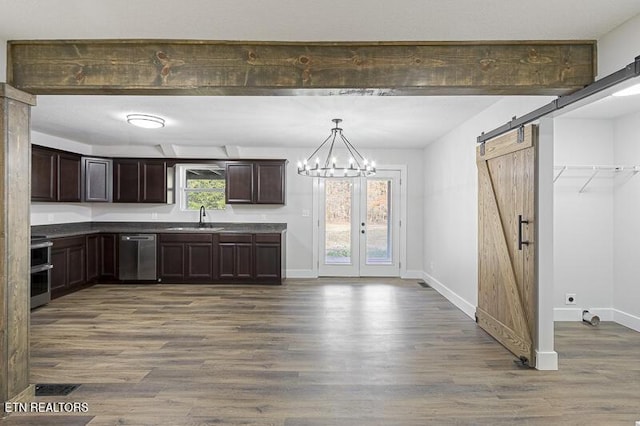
201, 185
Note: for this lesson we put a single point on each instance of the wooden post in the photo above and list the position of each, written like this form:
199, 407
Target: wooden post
15, 181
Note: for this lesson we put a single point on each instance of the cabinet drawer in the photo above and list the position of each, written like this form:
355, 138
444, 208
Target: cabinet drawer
267, 238
236, 238
66, 242
186, 238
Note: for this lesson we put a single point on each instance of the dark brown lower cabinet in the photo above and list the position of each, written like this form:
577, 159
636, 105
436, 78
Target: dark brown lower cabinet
101, 257
236, 257
94, 256
268, 254
182, 258
68, 257
186, 258
109, 256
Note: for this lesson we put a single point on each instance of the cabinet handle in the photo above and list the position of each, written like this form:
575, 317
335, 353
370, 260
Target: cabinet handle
520, 242
362, 231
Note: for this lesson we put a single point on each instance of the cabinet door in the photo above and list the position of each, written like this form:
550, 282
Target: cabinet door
97, 179
239, 183
270, 183
109, 259
268, 261
244, 260
154, 181
227, 256
172, 261
59, 277
93, 257
69, 183
44, 175
198, 265
126, 181
76, 265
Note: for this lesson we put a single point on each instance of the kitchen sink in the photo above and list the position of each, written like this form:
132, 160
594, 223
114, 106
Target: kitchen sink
194, 228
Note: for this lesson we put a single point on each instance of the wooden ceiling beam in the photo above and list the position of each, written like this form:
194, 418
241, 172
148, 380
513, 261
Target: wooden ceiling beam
178, 67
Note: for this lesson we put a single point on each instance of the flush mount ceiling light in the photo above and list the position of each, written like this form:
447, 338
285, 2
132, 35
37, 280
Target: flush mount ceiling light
323, 162
629, 91
145, 121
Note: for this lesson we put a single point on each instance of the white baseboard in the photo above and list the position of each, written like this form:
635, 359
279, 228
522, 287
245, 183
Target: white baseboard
628, 320
301, 273
547, 361
451, 296
412, 275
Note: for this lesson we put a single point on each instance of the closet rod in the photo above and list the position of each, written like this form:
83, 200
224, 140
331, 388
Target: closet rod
615, 168
596, 169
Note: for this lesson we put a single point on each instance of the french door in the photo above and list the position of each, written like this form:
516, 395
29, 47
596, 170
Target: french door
360, 226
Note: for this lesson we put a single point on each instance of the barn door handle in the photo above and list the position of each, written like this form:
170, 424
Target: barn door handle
520, 242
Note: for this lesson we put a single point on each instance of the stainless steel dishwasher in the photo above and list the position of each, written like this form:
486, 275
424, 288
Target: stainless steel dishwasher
137, 257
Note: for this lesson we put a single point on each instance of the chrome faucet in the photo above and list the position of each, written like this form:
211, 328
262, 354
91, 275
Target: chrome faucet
203, 213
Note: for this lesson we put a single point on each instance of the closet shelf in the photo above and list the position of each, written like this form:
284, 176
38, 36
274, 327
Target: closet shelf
595, 169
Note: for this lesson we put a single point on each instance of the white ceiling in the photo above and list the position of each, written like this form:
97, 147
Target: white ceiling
371, 121
308, 20
288, 121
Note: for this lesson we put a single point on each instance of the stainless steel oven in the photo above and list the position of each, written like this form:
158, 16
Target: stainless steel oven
40, 271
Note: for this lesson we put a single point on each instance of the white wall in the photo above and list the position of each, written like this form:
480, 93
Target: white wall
583, 222
39, 138
451, 202
626, 292
299, 199
619, 47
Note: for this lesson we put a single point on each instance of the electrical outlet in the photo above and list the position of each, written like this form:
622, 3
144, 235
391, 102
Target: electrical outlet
570, 299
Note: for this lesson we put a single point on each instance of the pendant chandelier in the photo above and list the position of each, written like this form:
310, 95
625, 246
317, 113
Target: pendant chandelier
323, 162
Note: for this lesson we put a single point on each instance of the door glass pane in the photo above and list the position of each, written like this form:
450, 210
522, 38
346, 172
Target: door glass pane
378, 234
338, 201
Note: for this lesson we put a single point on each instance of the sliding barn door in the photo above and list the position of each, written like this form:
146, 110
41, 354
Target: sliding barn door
507, 284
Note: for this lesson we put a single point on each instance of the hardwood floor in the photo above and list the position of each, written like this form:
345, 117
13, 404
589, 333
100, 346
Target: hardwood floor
314, 352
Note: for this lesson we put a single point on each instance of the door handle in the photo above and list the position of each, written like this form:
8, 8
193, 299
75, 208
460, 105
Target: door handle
520, 223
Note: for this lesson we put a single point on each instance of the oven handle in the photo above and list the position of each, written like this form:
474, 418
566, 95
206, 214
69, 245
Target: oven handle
41, 268
41, 245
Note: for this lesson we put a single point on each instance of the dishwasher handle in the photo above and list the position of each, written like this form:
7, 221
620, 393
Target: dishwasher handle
138, 237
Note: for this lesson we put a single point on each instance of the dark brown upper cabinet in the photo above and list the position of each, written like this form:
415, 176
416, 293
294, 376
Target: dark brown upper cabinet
255, 182
97, 179
44, 174
239, 184
142, 181
55, 175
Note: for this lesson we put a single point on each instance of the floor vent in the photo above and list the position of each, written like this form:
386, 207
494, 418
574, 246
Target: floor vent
424, 284
55, 389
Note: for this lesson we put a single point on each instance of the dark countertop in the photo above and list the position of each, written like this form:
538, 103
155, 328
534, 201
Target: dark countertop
83, 228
